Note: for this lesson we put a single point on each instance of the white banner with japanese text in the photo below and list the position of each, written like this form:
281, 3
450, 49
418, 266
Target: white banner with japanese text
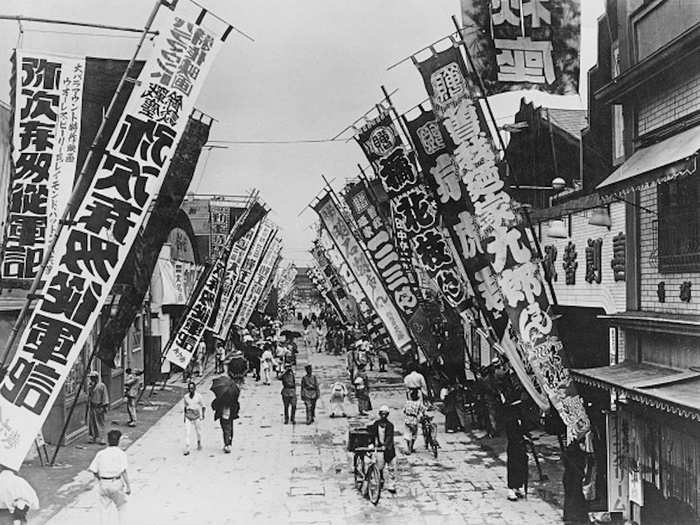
235, 260
252, 265
245, 269
91, 251
363, 271
258, 283
48, 106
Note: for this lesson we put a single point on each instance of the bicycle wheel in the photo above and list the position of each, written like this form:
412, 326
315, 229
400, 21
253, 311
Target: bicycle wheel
374, 484
359, 470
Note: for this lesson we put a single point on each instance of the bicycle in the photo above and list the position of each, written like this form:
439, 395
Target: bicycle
430, 434
368, 477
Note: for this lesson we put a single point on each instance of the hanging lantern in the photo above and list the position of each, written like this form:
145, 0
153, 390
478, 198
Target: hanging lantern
600, 217
558, 230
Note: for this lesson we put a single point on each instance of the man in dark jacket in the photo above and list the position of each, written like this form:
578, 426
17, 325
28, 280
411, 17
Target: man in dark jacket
225, 406
289, 394
382, 432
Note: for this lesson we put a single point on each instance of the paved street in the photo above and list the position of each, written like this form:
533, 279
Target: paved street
302, 474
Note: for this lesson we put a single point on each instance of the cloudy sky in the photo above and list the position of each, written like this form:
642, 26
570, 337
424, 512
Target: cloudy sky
315, 66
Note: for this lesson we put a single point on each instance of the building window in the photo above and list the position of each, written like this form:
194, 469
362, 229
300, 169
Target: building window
679, 226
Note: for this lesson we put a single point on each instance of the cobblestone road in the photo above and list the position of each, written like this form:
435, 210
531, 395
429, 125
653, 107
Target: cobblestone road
301, 474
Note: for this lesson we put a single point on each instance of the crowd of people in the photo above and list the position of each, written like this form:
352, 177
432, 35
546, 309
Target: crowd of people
488, 397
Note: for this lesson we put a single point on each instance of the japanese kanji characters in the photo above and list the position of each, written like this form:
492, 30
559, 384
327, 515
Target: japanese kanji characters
525, 60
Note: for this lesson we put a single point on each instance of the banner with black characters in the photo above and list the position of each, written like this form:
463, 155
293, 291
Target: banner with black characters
244, 273
183, 345
413, 208
502, 234
90, 252
435, 150
258, 279
235, 260
400, 281
47, 108
524, 44
362, 269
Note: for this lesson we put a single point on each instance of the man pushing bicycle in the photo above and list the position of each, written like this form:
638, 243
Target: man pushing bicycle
382, 433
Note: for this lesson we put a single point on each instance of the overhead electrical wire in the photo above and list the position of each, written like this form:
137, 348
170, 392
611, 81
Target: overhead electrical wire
273, 141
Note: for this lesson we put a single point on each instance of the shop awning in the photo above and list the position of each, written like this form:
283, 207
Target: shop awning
666, 389
666, 160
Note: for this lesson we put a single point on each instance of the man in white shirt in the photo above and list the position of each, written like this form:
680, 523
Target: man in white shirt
194, 415
110, 468
415, 381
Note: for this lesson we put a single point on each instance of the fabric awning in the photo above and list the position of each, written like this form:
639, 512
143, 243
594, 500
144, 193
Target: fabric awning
666, 389
669, 159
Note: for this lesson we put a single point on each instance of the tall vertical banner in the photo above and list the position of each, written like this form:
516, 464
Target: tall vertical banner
502, 234
90, 252
257, 280
525, 44
246, 272
236, 274
363, 271
413, 207
199, 316
235, 260
400, 281
347, 282
48, 99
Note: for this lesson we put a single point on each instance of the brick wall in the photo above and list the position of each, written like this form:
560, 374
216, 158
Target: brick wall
650, 276
666, 105
609, 294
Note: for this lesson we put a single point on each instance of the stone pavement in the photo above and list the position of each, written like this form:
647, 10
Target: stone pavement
284, 474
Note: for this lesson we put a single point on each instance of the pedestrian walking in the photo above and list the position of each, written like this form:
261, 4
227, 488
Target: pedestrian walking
575, 504
382, 433
267, 362
516, 453
238, 367
98, 403
413, 411
309, 393
364, 404
219, 358
17, 497
194, 411
131, 391
338, 395
320, 337
225, 405
415, 381
289, 394
110, 467
198, 358
383, 358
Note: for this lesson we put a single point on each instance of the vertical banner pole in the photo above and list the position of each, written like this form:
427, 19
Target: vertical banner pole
81, 182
